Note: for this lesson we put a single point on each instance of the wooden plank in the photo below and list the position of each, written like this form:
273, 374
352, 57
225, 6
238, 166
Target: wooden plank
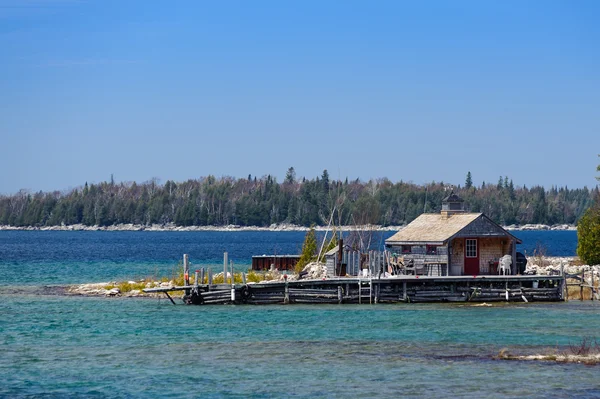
169, 296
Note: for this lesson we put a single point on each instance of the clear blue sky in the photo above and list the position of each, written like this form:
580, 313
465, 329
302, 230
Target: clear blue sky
418, 91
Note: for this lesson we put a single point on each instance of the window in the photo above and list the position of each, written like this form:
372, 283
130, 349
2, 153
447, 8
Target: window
431, 250
406, 249
471, 248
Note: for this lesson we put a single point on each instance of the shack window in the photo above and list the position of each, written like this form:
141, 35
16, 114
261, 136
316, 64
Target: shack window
431, 250
471, 248
406, 249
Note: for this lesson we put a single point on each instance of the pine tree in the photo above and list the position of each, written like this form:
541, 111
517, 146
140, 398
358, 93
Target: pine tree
588, 236
325, 180
290, 176
309, 249
469, 181
588, 232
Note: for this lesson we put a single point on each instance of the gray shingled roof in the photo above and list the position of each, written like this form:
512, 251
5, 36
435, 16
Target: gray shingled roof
432, 228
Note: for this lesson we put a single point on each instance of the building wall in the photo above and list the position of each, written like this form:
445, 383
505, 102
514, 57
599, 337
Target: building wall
457, 257
490, 249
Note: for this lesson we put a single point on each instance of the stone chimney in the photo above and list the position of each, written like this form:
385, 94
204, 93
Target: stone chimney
452, 205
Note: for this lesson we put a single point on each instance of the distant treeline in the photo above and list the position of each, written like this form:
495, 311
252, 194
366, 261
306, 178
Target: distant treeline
263, 201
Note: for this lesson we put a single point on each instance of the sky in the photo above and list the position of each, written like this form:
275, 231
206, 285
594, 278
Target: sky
418, 91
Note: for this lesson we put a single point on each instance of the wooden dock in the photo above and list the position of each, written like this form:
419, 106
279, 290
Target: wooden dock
396, 289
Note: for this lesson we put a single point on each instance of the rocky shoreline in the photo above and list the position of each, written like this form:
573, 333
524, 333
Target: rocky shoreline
231, 227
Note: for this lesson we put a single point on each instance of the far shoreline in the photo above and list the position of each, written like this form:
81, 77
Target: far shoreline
237, 228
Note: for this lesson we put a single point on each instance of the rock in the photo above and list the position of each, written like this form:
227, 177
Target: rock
315, 271
113, 292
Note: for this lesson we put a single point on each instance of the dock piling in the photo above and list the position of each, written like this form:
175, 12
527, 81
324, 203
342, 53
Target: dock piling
186, 269
225, 265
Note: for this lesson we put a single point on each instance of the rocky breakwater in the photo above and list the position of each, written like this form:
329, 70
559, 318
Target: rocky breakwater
553, 266
114, 289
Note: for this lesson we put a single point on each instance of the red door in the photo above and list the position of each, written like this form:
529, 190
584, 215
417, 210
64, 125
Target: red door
471, 256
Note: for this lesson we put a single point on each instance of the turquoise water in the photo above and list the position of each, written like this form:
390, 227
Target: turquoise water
56, 346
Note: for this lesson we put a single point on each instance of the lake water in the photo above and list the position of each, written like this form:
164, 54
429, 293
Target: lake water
66, 257
57, 346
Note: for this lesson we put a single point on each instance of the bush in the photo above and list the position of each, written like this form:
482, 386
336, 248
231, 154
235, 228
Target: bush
588, 236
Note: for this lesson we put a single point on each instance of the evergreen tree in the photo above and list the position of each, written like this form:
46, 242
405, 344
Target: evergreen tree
468, 181
588, 232
588, 236
325, 181
309, 249
290, 176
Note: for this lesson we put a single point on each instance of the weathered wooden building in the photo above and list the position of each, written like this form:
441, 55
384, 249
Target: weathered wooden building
453, 242
279, 262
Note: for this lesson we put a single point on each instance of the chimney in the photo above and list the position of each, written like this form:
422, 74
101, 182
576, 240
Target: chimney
452, 205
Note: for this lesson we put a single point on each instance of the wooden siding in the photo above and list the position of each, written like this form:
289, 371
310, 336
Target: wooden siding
281, 262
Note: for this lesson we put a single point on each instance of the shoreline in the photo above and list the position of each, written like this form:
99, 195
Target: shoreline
237, 228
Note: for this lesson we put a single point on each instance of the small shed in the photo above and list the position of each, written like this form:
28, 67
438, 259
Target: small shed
455, 241
279, 262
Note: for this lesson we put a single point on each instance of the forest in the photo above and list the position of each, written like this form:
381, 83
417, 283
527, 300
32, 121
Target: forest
252, 201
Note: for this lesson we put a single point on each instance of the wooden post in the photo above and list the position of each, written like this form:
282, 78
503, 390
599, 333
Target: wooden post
581, 285
340, 258
370, 290
197, 280
225, 264
243, 277
404, 291
593, 289
232, 283
286, 297
340, 294
210, 278
186, 269
202, 275
563, 283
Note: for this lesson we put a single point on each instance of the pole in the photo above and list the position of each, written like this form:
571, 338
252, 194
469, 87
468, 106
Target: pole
232, 283
225, 264
186, 269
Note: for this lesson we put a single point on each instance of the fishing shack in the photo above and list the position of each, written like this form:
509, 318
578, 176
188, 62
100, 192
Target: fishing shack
454, 242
